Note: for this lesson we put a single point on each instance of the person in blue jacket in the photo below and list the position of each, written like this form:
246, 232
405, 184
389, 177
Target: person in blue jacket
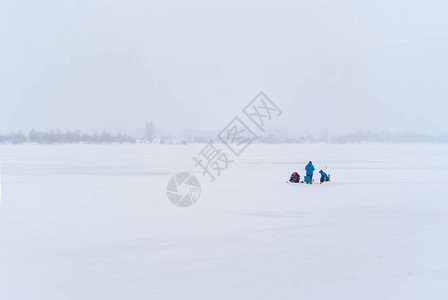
309, 171
323, 176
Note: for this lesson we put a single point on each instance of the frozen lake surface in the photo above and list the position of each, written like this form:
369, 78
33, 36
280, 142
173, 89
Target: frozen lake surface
94, 222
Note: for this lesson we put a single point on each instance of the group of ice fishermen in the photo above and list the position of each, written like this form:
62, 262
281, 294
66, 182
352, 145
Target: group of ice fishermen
309, 168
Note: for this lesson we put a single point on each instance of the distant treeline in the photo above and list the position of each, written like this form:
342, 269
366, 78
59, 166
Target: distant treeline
360, 137
76, 136
59, 137
405, 137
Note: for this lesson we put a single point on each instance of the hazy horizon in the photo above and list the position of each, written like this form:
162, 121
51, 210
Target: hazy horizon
110, 65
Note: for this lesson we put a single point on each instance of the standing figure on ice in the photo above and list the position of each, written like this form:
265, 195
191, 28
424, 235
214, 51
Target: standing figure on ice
309, 173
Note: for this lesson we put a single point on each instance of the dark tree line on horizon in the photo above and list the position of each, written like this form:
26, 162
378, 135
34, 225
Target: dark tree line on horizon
64, 137
149, 136
359, 137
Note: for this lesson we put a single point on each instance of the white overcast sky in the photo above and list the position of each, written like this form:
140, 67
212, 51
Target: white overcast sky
341, 66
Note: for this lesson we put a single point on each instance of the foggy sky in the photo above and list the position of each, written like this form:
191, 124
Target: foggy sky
341, 66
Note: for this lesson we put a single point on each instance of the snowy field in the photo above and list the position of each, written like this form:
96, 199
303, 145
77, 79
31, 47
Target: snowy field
94, 222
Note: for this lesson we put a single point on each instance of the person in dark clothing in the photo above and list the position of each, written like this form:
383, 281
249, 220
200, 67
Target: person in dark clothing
295, 178
323, 176
309, 171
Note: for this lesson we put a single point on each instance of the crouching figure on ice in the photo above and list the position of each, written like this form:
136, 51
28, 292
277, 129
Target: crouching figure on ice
324, 177
295, 178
